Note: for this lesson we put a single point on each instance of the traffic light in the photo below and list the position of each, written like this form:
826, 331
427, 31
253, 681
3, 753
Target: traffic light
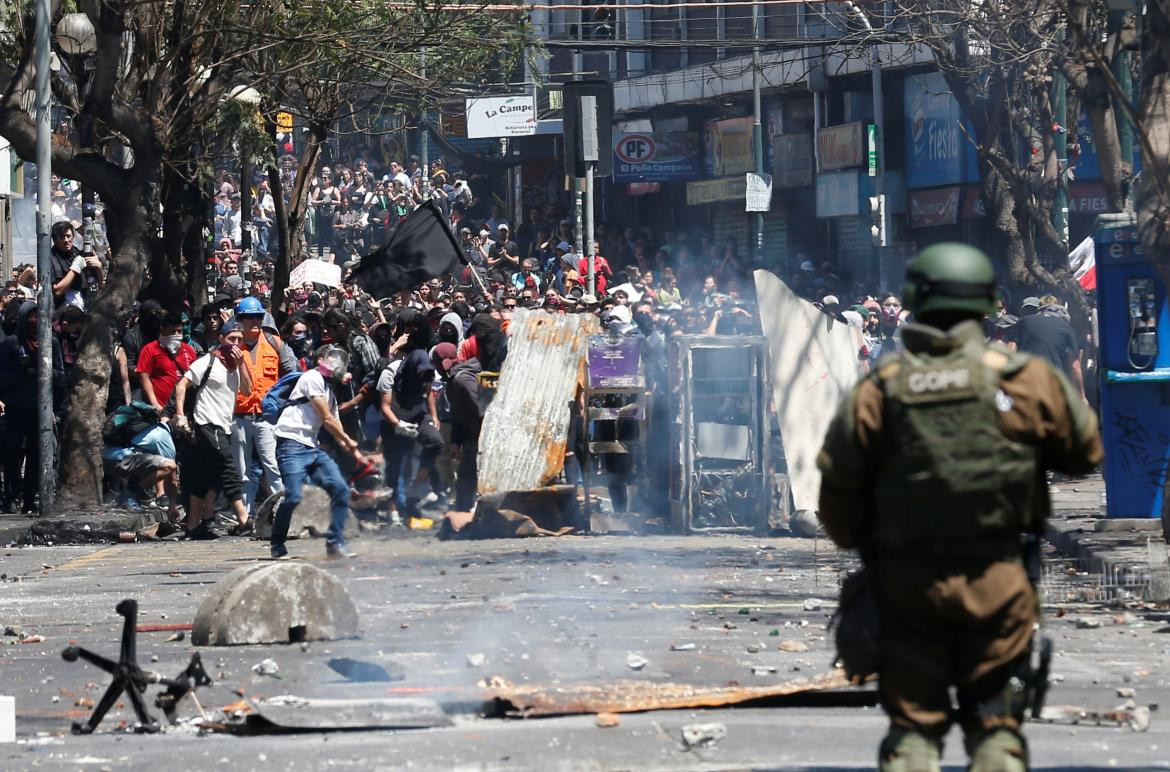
877, 216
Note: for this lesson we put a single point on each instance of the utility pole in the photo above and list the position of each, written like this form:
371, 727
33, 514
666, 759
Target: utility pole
578, 198
589, 152
757, 125
48, 444
424, 184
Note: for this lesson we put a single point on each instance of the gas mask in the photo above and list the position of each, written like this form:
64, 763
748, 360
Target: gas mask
333, 363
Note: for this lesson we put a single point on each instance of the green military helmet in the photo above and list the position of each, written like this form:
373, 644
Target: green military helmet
950, 277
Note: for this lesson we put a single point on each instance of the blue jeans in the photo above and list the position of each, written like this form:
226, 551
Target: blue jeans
299, 463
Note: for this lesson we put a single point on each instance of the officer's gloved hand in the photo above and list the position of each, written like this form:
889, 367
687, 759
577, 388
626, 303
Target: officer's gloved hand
406, 429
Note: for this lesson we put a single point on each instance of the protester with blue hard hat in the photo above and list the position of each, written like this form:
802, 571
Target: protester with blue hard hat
267, 359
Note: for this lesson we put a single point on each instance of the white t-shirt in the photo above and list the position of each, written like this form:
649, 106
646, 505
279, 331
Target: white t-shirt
301, 423
385, 383
217, 399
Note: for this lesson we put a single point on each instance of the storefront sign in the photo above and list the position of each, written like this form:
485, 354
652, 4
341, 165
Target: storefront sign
643, 188
972, 205
502, 116
938, 150
792, 160
1087, 198
727, 146
714, 191
838, 194
841, 147
939, 206
669, 156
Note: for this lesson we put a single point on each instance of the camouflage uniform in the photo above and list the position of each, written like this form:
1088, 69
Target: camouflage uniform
933, 468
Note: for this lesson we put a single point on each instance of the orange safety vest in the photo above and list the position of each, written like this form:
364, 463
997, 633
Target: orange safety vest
263, 363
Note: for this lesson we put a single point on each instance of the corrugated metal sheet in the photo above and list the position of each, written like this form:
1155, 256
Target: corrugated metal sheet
526, 427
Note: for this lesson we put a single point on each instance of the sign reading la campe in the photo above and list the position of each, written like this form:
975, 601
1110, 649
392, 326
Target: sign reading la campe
501, 116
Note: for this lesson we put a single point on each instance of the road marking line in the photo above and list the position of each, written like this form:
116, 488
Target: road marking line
84, 560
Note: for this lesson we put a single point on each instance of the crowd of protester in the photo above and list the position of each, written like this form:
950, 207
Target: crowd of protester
377, 388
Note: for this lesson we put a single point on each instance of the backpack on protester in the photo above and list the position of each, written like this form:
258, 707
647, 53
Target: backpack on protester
277, 398
127, 422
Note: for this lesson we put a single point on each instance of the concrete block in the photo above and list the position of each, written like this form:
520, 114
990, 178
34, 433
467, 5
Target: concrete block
310, 518
275, 603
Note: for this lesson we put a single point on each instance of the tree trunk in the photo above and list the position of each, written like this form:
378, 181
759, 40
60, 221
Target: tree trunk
81, 433
1115, 170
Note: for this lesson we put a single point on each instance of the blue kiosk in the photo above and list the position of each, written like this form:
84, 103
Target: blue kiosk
1135, 370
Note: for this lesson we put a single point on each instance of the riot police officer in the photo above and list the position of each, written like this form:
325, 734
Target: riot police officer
934, 469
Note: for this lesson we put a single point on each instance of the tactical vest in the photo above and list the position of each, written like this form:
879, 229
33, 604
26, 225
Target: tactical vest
953, 483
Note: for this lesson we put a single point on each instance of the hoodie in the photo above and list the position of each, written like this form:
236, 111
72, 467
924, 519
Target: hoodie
455, 321
18, 367
466, 406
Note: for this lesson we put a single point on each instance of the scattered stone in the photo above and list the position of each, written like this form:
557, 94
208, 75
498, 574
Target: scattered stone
13, 631
266, 667
477, 659
753, 648
729, 625
607, 720
636, 661
683, 647
793, 647
763, 669
813, 604
1088, 623
179, 636
1126, 692
698, 735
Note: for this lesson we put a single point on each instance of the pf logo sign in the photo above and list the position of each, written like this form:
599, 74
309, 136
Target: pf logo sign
636, 148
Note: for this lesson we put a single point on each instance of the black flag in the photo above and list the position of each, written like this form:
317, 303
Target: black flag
422, 248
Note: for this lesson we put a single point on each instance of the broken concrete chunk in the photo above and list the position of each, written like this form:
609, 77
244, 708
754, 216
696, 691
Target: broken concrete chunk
697, 735
636, 661
266, 667
793, 646
275, 603
1088, 623
476, 660
607, 720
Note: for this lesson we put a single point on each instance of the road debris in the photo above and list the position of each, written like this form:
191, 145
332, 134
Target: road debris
179, 636
607, 720
630, 696
479, 659
683, 647
636, 661
763, 669
267, 667
700, 735
793, 647
1136, 717
1088, 623
814, 604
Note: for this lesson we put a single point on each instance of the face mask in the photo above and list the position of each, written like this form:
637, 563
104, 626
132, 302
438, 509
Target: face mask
171, 343
645, 322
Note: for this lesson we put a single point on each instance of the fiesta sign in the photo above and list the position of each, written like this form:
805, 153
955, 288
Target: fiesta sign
502, 116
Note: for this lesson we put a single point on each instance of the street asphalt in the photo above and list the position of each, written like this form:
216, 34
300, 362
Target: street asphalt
553, 612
